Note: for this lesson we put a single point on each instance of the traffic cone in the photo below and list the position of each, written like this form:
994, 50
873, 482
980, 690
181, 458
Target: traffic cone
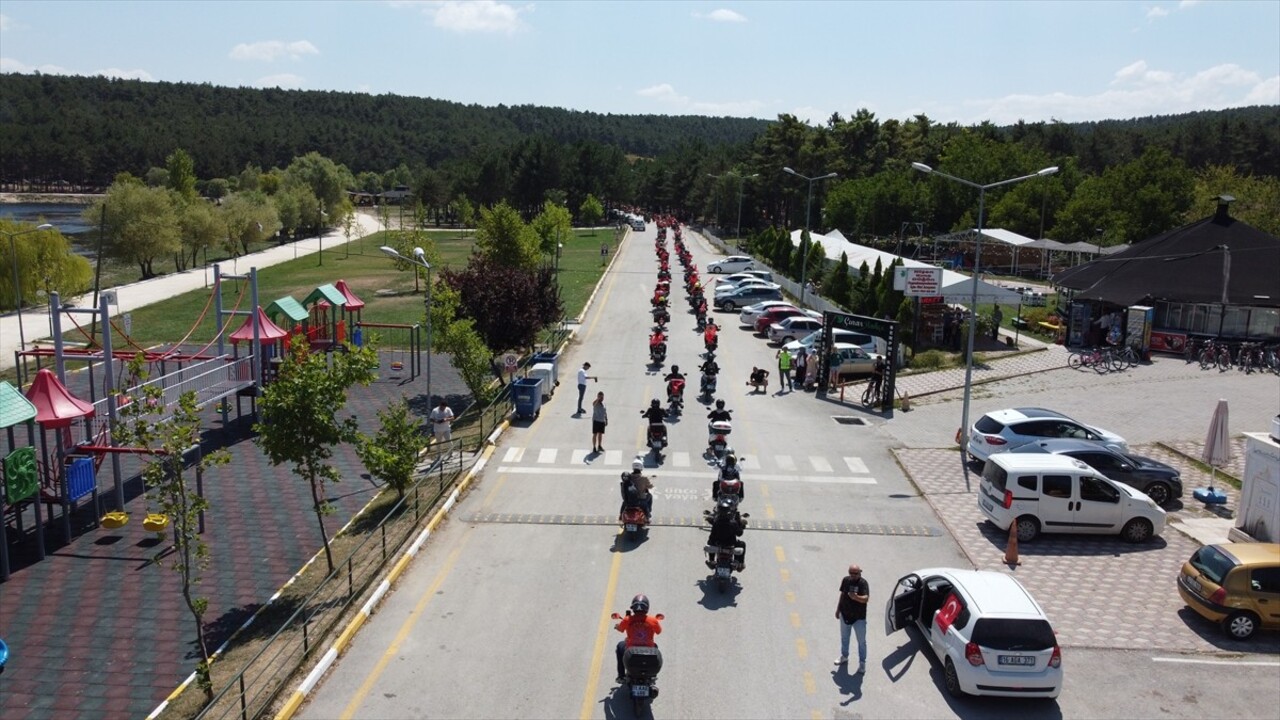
1011, 551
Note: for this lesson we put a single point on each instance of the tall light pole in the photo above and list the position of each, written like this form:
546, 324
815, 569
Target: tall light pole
419, 259
742, 181
17, 284
973, 281
804, 251
717, 192
320, 234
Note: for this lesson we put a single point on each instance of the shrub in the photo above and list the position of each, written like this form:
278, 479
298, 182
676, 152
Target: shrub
930, 360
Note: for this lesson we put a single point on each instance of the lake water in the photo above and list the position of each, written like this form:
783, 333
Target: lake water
67, 218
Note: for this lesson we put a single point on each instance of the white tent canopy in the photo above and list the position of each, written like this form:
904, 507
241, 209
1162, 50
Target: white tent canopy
956, 287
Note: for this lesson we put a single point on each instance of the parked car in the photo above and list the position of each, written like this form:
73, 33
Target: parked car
777, 314
1003, 430
637, 225
1042, 492
787, 329
1160, 482
854, 360
744, 275
731, 264
749, 282
752, 313
872, 344
1237, 585
989, 633
746, 296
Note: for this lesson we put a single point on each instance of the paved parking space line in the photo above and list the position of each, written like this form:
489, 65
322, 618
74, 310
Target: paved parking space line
696, 475
1197, 661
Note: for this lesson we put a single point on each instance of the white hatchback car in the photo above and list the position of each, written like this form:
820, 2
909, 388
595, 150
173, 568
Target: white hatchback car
752, 313
788, 329
749, 282
990, 635
1003, 430
731, 264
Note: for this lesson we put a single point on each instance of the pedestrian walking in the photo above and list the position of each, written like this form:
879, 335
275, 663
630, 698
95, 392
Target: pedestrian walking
833, 368
811, 371
599, 419
852, 614
583, 377
997, 317
797, 371
442, 421
784, 369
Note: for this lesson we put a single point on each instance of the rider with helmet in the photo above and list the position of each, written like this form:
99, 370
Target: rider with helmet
726, 527
675, 374
729, 482
641, 629
636, 489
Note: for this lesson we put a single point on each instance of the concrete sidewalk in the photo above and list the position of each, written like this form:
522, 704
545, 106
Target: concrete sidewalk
35, 321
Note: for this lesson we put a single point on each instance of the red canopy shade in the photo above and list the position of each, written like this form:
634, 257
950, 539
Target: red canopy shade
56, 407
353, 302
267, 330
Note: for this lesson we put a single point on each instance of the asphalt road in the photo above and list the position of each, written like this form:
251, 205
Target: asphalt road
506, 615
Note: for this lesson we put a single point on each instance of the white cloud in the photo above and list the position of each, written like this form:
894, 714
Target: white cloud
9, 65
474, 16
269, 50
675, 103
1188, 3
1155, 11
5, 22
1135, 91
125, 74
724, 15
281, 80
663, 92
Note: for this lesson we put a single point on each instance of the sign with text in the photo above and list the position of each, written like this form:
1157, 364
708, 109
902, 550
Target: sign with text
918, 281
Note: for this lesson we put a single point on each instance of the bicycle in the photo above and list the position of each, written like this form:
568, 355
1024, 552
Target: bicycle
1126, 357
1088, 358
873, 395
1215, 354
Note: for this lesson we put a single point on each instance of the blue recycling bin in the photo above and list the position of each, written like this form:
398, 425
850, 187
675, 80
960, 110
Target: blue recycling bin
527, 394
554, 359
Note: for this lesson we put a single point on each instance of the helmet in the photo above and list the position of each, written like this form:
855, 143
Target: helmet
637, 465
730, 459
640, 604
654, 403
675, 368
719, 404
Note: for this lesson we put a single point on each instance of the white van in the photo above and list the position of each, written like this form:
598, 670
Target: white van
1057, 493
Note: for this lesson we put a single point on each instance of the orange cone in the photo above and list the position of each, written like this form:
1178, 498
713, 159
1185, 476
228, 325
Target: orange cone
1011, 551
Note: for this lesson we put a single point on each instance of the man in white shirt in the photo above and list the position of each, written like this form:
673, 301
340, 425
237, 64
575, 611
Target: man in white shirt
442, 422
583, 377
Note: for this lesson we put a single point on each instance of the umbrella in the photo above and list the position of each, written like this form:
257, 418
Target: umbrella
1217, 444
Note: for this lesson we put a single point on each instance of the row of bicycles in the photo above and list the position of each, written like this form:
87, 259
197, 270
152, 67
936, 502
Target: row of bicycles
1104, 359
1247, 357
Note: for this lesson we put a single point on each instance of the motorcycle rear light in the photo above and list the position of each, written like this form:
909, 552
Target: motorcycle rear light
1055, 660
973, 654
1218, 596
1008, 499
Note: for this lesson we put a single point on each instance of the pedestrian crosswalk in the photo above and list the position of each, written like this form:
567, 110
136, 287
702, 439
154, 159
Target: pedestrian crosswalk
849, 470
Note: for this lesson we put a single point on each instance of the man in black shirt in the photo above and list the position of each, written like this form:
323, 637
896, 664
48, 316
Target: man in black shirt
852, 613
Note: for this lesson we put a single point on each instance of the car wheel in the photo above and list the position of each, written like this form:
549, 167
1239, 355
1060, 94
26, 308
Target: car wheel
1159, 493
1028, 528
713, 270
952, 679
728, 306
787, 339
1240, 625
1137, 530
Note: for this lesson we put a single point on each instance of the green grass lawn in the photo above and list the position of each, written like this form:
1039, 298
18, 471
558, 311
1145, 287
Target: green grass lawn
366, 270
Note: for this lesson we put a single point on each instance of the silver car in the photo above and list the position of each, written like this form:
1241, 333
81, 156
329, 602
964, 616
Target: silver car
1003, 430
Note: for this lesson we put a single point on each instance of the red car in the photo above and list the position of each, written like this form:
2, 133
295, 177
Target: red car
773, 315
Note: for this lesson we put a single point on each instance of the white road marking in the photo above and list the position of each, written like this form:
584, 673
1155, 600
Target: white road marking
612, 457
1196, 661
513, 454
831, 479
856, 466
547, 456
579, 457
784, 462
680, 459
820, 464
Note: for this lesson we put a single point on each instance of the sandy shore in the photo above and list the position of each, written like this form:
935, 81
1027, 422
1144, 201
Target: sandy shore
49, 198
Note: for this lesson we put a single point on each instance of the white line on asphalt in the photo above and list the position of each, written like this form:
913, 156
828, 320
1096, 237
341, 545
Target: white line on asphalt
820, 463
832, 479
856, 466
785, 462
513, 454
579, 457
680, 459
612, 457
547, 455
1196, 661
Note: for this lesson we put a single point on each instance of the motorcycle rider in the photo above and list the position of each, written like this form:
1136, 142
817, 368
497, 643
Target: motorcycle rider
636, 490
729, 483
641, 630
719, 414
709, 335
711, 368
727, 526
657, 415
656, 339
675, 374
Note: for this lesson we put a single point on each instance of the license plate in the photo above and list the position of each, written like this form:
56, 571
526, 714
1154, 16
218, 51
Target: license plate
639, 691
1016, 660
723, 571
986, 504
631, 527
1195, 585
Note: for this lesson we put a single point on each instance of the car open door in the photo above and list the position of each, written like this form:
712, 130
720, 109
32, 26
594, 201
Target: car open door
904, 605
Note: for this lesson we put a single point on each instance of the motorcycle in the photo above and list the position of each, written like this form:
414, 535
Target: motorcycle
642, 665
718, 438
634, 522
708, 385
661, 317
675, 396
656, 439
725, 560
711, 342
658, 353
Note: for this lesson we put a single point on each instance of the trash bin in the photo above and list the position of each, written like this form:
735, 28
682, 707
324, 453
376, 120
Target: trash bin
527, 393
546, 373
554, 359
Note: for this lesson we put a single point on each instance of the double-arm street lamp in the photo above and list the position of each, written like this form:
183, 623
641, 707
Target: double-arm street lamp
804, 251
17, 286
419, 259
973, 281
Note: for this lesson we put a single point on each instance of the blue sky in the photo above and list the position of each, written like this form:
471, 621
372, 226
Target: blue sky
953, 61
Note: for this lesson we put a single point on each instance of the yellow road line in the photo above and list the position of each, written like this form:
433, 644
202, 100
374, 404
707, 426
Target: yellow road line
795, 619
768, 511
802, 648
502, 479
816, 715
790, 596
764, 490
394, 648
778, 553
785, 574
602, 634
810, 687
599, 309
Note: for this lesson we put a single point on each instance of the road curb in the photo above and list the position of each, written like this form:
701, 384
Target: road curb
366, 611
950, 531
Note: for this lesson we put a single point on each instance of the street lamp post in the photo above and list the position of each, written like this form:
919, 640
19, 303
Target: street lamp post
320, 235
804, 251
973, 280
17, 283
419, 259
742, 181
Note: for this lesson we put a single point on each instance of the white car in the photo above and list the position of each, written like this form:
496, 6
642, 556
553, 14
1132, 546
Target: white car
751, 282
752, 313
788, 329
990, 635
1004, 430
744, 275
872, 344
856, 361
731, 264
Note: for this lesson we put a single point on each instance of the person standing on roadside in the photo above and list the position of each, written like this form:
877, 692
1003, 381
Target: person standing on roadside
583, 377
852, 614
599, 419
997, 317
784, 369
442, 421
